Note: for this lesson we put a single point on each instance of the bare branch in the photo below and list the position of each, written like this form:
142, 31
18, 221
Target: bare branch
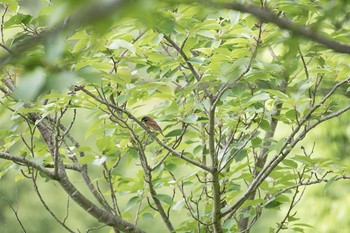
36, 188
2, 44
108, 177
148, 179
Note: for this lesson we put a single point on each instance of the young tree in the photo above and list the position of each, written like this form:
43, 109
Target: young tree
235, 87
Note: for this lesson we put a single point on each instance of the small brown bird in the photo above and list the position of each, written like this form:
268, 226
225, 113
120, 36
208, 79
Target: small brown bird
150, 123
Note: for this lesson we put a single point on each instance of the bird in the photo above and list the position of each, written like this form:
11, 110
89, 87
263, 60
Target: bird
150, 123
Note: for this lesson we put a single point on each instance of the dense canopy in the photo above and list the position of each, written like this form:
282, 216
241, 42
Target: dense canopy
237, 88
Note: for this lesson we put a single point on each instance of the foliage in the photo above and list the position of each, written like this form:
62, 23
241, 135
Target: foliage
234, 94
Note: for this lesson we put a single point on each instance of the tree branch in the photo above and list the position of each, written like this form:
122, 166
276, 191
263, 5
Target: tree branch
26, 162
215, 172
267, 16
36, 188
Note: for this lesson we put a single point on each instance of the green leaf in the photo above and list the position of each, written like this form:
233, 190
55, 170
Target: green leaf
105, 143
329, 184
233, 187
277, 146
205, 33
273, 204
119, 43
87, 159
277, 93
121, 99
197, 60
234, 17
174, 133
90, 74
256, 142
252, 202
303, 225
228, 224
166, 24
305, 160
259, 97
80, 45
279, 200
12, 4
157, 39
191, 119
147, 216
290, 163
298, 229
198, 149
17, 20
131, 153
265, 125
131, 203
99, 161
165, 198
292, 219
240, 155
178, 205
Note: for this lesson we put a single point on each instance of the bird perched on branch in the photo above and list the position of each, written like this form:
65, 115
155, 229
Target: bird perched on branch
151, 124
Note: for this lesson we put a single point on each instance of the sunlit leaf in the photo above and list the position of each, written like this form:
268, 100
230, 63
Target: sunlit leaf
178, 205
119, 43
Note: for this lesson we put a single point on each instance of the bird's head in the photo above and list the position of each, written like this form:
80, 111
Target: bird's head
145, 119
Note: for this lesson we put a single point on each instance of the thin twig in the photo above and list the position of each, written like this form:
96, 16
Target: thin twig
2, 44
15, 211
36, 189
